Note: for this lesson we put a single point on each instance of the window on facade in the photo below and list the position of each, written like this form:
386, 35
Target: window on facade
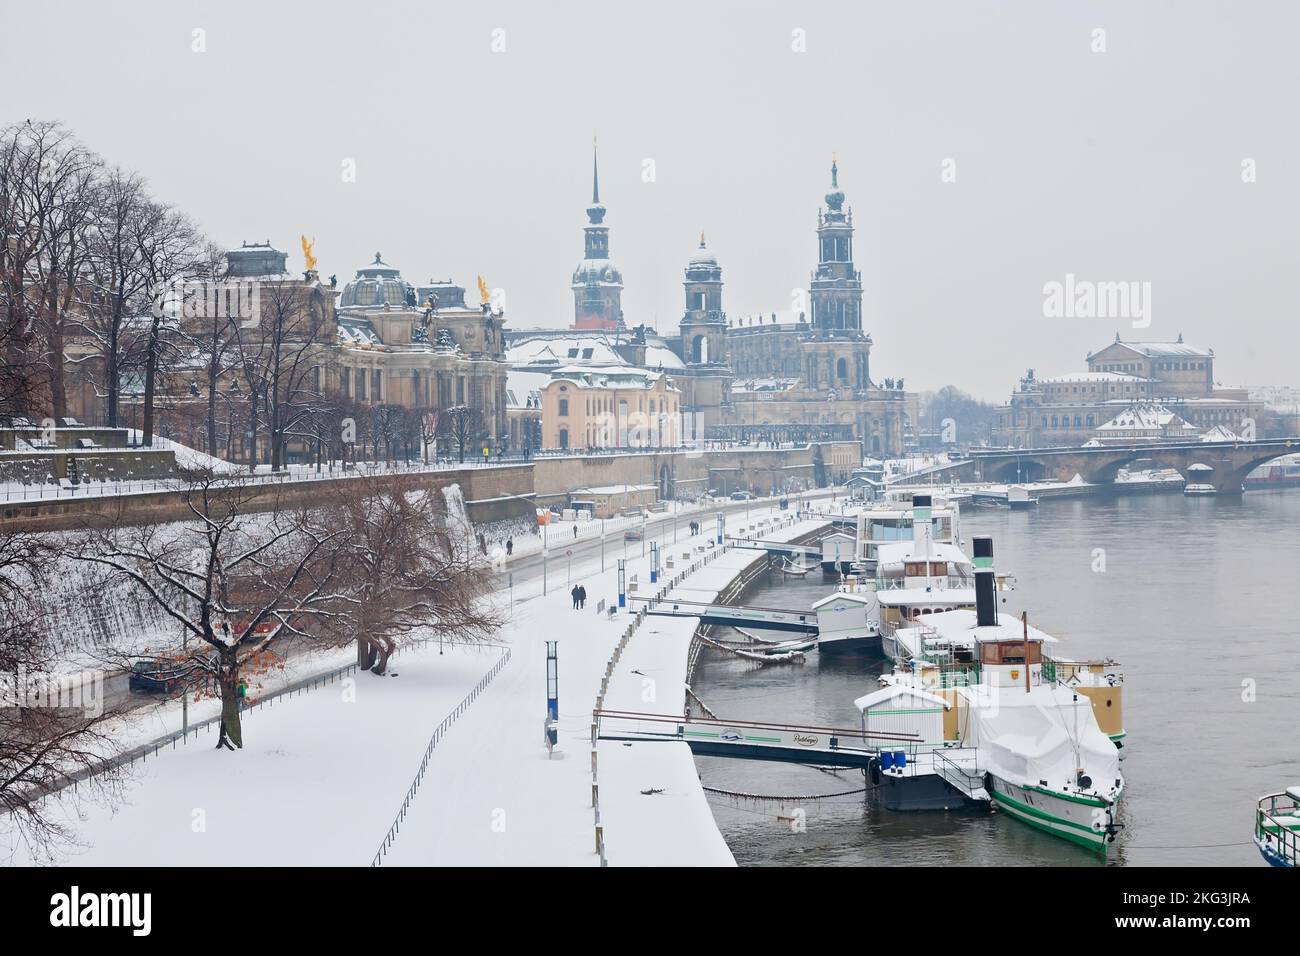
361, 385
564, 407
345, 382
377, 385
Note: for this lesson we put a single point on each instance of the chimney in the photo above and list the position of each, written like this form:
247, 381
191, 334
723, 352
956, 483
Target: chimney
986, 598
920, 518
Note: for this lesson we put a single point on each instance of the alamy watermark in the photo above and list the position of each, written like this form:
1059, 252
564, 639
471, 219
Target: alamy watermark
72, 690
190, 299
1084, 299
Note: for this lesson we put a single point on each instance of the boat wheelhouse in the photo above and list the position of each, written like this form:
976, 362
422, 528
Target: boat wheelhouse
1277, 828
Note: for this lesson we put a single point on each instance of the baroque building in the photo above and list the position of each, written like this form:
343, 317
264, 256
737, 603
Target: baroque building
421, 346
1123, 379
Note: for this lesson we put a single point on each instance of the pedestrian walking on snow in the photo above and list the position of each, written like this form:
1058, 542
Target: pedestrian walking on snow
574, 595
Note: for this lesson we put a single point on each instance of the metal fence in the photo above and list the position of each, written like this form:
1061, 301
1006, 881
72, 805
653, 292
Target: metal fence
144, 751
391, 836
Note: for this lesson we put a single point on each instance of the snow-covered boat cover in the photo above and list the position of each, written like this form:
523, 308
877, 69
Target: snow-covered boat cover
1029, 738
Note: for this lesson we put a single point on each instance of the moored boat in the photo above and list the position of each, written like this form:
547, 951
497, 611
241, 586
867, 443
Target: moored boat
1277, 828
1028, 727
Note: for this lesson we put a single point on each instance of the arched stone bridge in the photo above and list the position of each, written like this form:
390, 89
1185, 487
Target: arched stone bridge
1232, 461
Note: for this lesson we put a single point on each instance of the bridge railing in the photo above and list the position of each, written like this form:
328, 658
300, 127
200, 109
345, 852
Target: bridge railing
753, 732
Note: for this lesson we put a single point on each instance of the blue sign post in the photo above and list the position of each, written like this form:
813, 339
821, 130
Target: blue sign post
722, 526
654, 562
622, 584
552, 695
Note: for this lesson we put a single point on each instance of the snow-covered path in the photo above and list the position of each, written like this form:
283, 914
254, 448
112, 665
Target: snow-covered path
495, 799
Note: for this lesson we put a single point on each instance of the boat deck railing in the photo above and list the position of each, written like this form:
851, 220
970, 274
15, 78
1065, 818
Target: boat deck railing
1081, 673
1277, 826
960, 768
952, 582
950, 674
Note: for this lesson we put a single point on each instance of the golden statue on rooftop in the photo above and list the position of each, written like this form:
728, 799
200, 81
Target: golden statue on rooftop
484, 296
306, 253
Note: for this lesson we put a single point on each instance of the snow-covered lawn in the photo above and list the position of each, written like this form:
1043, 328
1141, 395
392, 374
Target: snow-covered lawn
318, 782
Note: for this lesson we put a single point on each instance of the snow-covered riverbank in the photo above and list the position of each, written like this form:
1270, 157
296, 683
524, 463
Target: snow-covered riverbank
322, 775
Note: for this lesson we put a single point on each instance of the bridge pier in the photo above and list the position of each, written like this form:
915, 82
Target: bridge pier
1230, 483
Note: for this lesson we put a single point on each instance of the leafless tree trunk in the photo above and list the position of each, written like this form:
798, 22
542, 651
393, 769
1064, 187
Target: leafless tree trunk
411, 573
50, 727
241, 584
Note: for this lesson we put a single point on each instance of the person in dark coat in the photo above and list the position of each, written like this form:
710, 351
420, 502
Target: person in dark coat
582, 596
574, 595
510, 545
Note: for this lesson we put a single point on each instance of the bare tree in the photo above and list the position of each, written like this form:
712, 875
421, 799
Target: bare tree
211, 339
43, 179
168, 250
282, 359
462, 426
412, 573
119, 283
242, 584
67, 182
50, 728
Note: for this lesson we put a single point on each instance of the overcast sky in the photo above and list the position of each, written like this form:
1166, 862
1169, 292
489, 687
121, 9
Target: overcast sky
1122, 165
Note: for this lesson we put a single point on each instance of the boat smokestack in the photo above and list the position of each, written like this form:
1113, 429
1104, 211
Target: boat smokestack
920, 518
986, 597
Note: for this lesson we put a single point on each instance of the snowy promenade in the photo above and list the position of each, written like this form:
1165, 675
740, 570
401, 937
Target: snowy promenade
497, 800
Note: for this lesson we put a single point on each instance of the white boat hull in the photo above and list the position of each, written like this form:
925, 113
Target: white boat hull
1087, 821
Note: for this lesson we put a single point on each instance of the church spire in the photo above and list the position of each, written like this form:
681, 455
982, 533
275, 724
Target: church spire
596, 211
835, 198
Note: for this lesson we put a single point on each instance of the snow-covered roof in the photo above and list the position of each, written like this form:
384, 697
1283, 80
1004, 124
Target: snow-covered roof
1143, 417
857, 597
1087, 377
661, 356
613, 376
894, 691
1220, 433
354, 331
896, 552
917, 597
1166, 349
583, 349
960, 626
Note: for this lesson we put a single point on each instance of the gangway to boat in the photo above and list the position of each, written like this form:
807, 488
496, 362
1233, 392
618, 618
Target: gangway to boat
768, 618
751, 739
780, 549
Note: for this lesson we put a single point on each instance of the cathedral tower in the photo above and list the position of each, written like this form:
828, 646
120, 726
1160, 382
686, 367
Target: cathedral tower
597, 284
704, 324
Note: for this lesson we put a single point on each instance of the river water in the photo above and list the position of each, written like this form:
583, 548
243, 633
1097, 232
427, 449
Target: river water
1198, 598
